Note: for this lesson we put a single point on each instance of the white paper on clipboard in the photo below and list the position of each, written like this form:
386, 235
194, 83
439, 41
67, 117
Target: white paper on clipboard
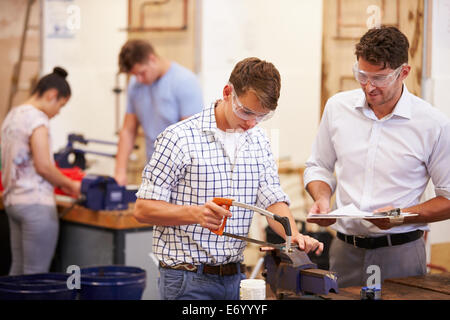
351, 211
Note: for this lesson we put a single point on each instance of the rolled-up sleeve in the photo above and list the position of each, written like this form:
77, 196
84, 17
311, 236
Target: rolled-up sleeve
162, 173
270, 191
320, 165
438, 164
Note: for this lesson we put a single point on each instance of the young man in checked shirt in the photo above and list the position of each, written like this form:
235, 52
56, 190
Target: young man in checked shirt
216, 153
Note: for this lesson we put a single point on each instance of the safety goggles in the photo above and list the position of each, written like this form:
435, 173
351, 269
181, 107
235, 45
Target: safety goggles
245, 113
377, 80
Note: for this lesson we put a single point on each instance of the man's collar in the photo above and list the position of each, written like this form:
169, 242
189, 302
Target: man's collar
208, 122
402, 108
208, 119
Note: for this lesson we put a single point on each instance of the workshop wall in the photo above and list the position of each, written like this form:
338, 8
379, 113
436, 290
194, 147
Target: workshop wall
439, 94
89, 52
287, 33
90, 55
12, 17
437, 82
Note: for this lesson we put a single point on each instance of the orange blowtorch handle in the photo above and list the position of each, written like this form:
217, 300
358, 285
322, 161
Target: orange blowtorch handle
222, 202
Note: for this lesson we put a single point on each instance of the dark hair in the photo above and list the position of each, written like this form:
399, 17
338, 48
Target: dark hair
387, 45
258, 76
56, 80
132, 52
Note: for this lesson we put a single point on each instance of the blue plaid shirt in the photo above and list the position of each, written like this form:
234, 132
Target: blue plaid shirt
190, 167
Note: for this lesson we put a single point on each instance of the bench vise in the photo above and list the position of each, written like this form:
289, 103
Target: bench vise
103, 193
69, 156
293, 273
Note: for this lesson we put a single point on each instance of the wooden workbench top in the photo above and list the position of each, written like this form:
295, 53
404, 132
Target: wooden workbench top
428, 287
117, 219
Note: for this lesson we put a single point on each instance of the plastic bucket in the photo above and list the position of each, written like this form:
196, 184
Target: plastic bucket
112, 283
40, 286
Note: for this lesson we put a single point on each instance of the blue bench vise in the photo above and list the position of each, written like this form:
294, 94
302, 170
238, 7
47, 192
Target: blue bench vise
103, 193
293, 274
69, 156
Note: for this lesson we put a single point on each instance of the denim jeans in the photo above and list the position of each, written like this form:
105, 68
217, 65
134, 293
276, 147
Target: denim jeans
187, 285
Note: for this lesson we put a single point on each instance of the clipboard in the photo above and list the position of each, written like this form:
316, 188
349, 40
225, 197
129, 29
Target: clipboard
368, 216
394, 214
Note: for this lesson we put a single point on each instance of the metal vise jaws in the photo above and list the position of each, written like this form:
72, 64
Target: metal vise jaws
103, 193
293, 272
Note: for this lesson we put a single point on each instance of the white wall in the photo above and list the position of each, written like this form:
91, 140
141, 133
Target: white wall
90, 56
440, 65
287, 33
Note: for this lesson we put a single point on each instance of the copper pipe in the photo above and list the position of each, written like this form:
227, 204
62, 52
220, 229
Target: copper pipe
148, 4
141, 27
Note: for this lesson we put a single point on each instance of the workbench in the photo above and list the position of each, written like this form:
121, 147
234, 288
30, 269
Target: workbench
88, 238
435, 286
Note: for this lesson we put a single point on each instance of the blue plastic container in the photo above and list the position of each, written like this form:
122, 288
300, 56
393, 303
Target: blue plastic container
112, 283
40, 286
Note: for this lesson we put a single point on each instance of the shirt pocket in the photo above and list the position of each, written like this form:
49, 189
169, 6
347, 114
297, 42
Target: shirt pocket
247, 177
208, 178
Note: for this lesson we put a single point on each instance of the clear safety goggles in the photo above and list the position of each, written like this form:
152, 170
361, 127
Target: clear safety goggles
245, 113
377, 80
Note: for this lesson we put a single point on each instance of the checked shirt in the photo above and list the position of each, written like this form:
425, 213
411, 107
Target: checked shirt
190, 167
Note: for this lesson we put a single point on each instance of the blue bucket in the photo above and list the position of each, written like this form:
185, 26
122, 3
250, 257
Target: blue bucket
40, 286
112, 283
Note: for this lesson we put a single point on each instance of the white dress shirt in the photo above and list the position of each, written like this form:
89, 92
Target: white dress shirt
380, 162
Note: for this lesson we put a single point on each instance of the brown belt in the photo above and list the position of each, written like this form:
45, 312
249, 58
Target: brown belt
222, 270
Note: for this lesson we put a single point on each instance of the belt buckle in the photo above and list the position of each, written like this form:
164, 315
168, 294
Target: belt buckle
221, 270
354, 240
191, 268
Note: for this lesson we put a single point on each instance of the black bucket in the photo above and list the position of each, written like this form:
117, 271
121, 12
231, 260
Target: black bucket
112, 283
40, 286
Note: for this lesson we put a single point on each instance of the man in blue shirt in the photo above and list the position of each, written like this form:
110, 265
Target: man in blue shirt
160, 93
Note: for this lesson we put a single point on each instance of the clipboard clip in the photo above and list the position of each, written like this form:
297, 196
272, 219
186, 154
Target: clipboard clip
393, 213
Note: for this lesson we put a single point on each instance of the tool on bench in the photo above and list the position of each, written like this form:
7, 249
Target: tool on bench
99, 192
64, 156
103, 193
370, 293
287, 268
292, 275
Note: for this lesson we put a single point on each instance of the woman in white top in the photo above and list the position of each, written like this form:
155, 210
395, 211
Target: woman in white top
29, 175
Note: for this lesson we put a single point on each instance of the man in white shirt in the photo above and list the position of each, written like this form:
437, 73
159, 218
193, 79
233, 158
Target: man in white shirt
384, 144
